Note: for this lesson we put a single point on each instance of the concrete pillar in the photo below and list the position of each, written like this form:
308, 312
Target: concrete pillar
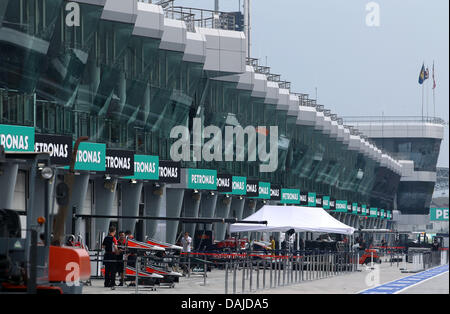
346, 219
249, 209
372, 223
339, 217
153, 197
237, 208
104, 193
8, 177
174, 202
191, 208
79, 191
207, 208
131, 196
257, 235
222, 211
355, 221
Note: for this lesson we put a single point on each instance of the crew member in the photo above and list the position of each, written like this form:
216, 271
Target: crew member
120, 256
186, 244
110, 258
128, 235
272, 243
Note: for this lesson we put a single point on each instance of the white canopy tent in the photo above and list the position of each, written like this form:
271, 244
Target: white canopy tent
299, 218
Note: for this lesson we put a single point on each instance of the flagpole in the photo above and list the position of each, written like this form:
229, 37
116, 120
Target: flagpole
423, 72
427, 97
434, 103
434, 95
423, 90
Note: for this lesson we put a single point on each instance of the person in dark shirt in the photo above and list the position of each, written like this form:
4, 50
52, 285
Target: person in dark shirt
131, 257
122, 242
110, 258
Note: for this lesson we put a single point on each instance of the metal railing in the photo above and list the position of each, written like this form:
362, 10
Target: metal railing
251, 271
394, 119
412, 261
195, 17
274, 271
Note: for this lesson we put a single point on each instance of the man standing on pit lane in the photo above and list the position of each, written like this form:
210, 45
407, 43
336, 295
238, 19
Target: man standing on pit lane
186, 243
110, 258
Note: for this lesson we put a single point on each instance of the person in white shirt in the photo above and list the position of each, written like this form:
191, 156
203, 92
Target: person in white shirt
186, 241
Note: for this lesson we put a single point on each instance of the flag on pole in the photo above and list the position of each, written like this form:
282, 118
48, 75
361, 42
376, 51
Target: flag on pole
434, 80
422, 75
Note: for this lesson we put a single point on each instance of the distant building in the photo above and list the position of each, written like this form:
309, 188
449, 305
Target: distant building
415, 142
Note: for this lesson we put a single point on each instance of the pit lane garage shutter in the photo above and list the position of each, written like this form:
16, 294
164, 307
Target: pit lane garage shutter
299, 218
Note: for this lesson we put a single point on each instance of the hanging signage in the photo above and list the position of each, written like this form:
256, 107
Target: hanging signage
169, 171
90, 157
202, 179
224, 183
239, 186
373, 213
304, 199
439, 214
290, 196
359, 209
312, 199
264, 191
145, 168
319, 201
119, 162
252, 188
17, 138
355, 208
349, 208
341, 206
58, 146
275, 193
326, 202
382, 213
332, 204
389, 215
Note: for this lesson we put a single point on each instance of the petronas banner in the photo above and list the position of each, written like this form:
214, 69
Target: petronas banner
290, 196
312, 199
17, 138
202, 179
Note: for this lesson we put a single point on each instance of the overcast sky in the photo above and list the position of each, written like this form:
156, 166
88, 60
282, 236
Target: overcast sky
358, 70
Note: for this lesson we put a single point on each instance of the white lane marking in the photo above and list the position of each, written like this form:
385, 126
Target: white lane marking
416, 284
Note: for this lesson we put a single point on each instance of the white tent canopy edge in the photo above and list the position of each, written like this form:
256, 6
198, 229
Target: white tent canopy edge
300, 218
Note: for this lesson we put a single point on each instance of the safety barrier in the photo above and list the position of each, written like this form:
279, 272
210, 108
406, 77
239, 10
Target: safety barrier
254, 271
420, 261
